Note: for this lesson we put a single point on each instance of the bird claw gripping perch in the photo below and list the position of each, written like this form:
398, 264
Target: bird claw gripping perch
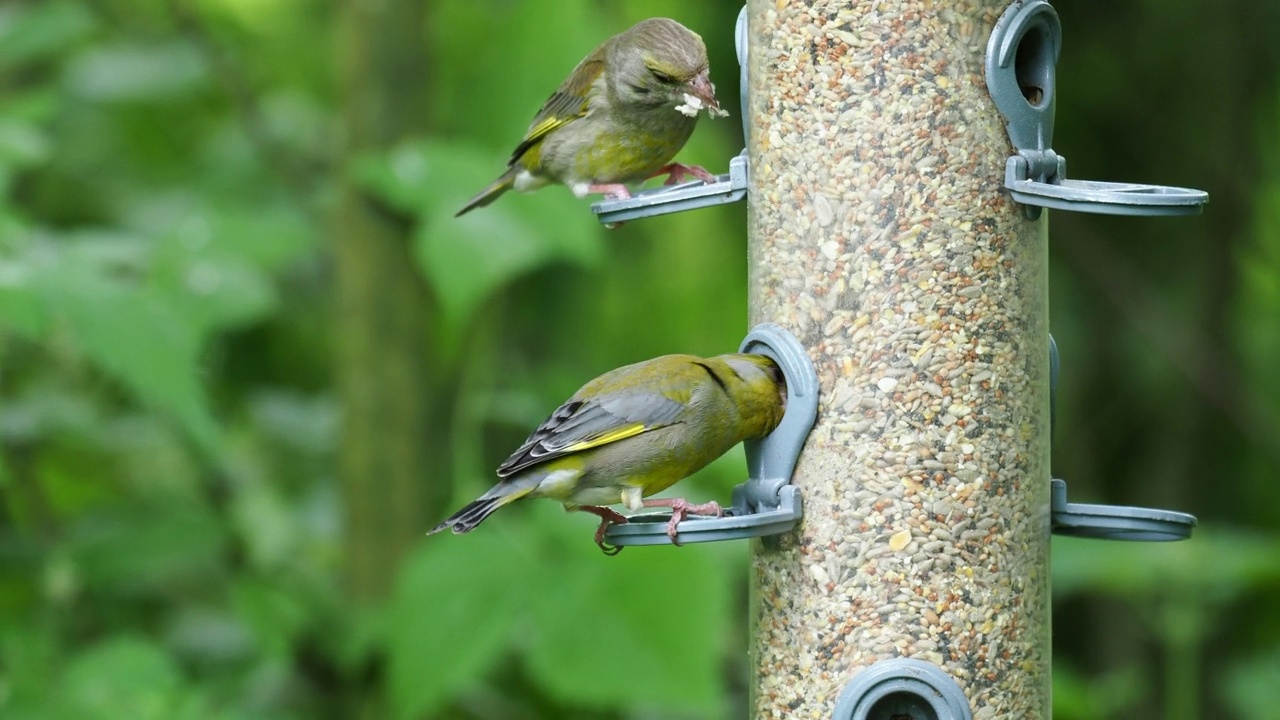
608, 517
681, 509
767, 504
669, 198
676, 173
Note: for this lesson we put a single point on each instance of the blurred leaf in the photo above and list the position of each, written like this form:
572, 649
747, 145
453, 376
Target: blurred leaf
275, 616
28, 656
31, 31
134, 72
641, 630
1252, 685
69, 482
266, 524
468, 265
644, 628
1111, 695
451, 617
133, 334
196, 227
205, 635
468, 259
136, 336
127, 677
403, 176
1258, 298
477, 93
148, 551
215, 295
22, 143
305, 423
21, 309
1222, 564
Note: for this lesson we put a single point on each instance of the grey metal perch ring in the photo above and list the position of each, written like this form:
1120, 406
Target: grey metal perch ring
766, 504
692, 195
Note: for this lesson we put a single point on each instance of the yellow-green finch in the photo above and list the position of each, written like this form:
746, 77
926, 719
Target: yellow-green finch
618, 119
636, 431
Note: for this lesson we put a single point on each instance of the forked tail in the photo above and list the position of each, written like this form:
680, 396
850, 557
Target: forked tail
474, 512
490, 193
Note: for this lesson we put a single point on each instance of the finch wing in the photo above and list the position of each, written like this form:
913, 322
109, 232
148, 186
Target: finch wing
579, 425
568, 103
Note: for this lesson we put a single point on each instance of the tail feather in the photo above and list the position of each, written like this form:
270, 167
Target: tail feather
474, 512
490, 193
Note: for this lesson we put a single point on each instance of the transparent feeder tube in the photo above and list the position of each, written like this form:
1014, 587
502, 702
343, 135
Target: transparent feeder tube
880, 237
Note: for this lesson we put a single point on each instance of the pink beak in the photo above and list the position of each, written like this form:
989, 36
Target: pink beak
700, 87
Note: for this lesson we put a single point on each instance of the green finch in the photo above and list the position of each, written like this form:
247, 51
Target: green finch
636, 431
620, 117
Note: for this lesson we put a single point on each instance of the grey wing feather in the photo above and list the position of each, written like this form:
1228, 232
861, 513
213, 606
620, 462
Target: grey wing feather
567, 103
577, 422
649, 408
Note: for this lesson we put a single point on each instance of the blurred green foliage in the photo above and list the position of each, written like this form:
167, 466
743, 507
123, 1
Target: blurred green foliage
173, 532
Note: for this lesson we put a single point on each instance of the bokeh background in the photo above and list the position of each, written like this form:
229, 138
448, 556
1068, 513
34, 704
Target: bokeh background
247, 357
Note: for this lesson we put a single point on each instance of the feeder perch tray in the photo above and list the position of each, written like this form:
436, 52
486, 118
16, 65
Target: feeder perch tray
1115, 522
730, 187
739, 522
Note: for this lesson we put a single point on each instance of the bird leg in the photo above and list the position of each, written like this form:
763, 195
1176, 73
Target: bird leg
612, 191
680, 509
607, 517
676, 173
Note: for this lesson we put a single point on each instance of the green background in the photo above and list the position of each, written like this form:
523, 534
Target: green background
247, 357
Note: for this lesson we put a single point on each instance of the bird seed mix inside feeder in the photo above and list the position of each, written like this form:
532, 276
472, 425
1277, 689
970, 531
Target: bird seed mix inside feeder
881, 238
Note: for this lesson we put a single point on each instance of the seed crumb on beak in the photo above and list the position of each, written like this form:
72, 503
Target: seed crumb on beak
700, 95
691, 107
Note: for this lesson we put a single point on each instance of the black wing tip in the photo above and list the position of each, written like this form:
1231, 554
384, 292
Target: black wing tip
528, 455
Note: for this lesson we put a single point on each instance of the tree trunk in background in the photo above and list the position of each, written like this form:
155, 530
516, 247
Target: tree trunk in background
382, 313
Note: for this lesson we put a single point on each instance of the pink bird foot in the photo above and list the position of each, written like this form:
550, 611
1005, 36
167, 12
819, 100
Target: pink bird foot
676, 173
681, 509
611, 191
607, 517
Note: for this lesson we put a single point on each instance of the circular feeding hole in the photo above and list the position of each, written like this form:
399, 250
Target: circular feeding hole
902, 705
1033, 66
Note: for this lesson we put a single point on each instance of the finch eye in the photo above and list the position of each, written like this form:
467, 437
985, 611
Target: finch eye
663, 77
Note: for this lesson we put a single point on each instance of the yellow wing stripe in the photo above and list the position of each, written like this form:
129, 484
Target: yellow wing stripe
530, 148
546, 126
614, 435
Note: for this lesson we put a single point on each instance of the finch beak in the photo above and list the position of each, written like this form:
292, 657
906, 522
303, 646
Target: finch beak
700, 87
